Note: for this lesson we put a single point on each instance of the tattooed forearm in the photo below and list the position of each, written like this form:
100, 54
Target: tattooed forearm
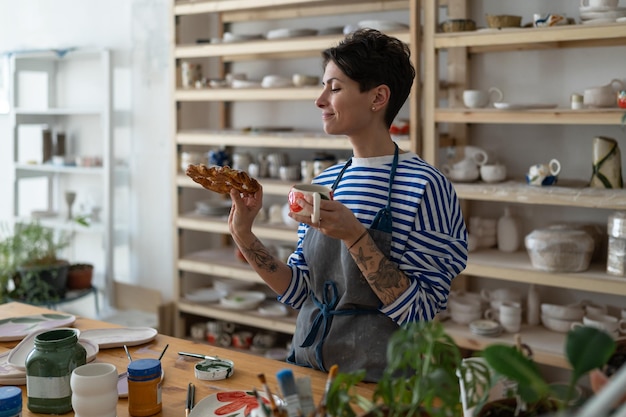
259, 254
361, 259
386, 280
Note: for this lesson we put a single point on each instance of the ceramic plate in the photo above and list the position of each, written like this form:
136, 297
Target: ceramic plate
274, 309
205, 295
520, 106
228, 404
242, 300
119, 336
598, 21
17, 356
10, 375
589, 9
16, 328
611, 15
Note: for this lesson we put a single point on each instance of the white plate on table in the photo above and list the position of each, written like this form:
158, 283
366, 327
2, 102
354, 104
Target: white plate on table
16, 328
17, 356
523, 106
119, 336
10, 375
229, 403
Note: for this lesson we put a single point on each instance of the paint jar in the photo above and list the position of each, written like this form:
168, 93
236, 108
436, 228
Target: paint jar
144, 387
10, 402
56, 353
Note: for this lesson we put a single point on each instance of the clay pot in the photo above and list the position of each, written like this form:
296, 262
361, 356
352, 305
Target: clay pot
79, 276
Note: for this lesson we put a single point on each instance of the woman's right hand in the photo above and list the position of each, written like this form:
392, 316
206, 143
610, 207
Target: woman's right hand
243, 211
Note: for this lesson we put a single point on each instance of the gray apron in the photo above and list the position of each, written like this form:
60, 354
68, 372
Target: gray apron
339, 322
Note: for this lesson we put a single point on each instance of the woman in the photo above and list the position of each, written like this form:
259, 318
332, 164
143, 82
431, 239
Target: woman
388, 246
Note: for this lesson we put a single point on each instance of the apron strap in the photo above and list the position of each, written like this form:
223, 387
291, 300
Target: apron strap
383, 220
324, 316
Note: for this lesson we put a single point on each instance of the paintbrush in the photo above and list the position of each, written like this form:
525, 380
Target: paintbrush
128, 354
190, 393
276, 412
321, 408
163, 351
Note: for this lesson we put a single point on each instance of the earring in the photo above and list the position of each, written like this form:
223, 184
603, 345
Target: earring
373, 108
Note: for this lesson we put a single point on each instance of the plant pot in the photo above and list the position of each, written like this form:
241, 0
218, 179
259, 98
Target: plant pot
79, 276
42, 283
505, 407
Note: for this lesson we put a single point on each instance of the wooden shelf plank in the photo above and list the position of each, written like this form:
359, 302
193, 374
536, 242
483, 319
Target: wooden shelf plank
218, 262
247, 94
577, 194
249, 317
548, 346
554, 37
213, 224
301, 45
282, 140
559, 116
516, 267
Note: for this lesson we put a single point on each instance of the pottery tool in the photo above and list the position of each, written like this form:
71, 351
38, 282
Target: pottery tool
190, 394
128, 354
287, 385
199, 356
163, 351
276, 412
321, 408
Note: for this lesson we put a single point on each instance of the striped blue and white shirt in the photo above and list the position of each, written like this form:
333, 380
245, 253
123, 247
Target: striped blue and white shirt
429, 238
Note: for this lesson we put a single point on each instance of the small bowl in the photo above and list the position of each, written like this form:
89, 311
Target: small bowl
563, 312
556, 325
457, 25
302, 80
242, 300
503, 21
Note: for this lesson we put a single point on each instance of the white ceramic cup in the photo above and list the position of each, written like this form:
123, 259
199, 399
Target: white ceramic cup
318, 192
493, 172
610, 324
599, 3
500, 294
475, 99
94, 390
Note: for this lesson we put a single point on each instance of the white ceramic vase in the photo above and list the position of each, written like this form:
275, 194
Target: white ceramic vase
94, 390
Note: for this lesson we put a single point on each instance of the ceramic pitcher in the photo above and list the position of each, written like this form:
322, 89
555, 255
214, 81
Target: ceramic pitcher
607, 166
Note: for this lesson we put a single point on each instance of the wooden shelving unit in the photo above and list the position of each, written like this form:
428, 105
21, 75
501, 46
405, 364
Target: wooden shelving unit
516, 267
193, 258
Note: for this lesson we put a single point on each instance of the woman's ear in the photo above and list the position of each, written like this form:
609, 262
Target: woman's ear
381, 96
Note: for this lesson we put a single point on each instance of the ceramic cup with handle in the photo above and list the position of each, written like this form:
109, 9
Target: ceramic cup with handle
543, 174
475, 99
612, 4
493, 172
318, 192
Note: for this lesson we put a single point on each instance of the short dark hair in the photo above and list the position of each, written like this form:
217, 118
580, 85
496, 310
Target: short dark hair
372, 58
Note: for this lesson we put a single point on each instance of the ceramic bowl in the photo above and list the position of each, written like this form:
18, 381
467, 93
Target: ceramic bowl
242, 300
556, 325
457, 25
562, 312
302, 80
503, 21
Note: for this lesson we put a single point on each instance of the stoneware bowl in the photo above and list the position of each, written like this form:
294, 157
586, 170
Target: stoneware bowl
457, 25
562, 312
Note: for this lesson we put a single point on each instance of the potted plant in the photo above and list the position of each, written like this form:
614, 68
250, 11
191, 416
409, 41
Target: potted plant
421, 378
29, 256
586, 349
79, 276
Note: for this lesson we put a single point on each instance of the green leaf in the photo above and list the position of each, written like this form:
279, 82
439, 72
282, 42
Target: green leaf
587, 348
512, 364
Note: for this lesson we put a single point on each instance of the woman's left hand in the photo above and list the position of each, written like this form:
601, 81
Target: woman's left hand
336, 220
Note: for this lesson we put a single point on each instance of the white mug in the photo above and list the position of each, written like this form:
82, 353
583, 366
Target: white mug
599, 3
318, 192
94, 390
493, 172
474, 99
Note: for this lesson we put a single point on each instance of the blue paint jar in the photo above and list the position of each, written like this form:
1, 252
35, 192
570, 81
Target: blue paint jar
10, 402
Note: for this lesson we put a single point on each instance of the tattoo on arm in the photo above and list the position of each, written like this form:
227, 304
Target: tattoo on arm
261, 256
385, 280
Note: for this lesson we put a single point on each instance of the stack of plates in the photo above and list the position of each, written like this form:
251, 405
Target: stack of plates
599, 15
213, 208
488, 328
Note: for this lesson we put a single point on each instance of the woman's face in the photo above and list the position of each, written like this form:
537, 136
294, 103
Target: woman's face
345, 110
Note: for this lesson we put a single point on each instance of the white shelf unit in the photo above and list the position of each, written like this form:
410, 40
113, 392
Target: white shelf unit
72, 91
515, 268
208, 118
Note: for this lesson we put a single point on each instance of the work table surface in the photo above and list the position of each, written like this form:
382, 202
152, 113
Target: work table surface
179, 370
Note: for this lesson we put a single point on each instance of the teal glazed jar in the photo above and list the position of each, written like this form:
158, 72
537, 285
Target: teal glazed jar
49, 368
